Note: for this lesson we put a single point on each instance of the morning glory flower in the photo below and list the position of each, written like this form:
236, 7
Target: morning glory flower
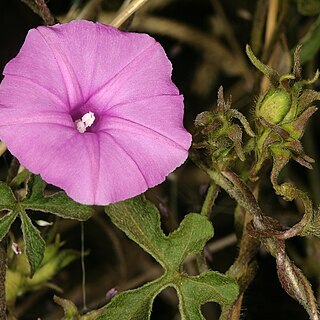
93, 110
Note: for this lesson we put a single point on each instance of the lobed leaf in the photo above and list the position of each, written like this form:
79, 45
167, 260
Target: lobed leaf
34, 244
133, 304
7, 198
59, 204
190, 238
207, 287
7, 202
140, 220
6, 222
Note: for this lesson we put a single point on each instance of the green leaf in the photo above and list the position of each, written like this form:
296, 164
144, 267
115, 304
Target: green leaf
140, 220
133, 304
61, 205
7, 202
208, 287
34, 244
310, 43
6, 222
190, 238
7, 198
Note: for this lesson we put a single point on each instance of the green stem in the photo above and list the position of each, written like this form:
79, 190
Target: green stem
271, 74
206, 211
208, 203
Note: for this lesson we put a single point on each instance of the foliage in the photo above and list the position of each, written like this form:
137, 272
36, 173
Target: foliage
58, 204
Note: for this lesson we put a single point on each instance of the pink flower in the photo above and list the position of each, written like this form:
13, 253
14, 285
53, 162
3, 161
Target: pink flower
93, 110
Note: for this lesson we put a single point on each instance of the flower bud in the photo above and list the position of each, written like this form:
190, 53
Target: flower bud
274, 105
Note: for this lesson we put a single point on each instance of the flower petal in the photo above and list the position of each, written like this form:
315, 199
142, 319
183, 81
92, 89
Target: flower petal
66, 71
152, 134
148, 75
76, 162
62, 156
36, 66
94, 53
120, 177
155, 155
25, 95
159, 115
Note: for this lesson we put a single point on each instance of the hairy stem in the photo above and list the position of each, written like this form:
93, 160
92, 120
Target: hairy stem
208, 203
40, 8
244, 268
238, 190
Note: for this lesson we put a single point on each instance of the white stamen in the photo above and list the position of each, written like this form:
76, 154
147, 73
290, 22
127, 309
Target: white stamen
85, 122
80, 126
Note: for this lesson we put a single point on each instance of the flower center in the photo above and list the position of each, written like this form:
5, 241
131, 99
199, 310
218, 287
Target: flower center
85, 122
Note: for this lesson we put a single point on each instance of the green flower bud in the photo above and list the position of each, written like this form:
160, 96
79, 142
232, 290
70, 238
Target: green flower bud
274, 105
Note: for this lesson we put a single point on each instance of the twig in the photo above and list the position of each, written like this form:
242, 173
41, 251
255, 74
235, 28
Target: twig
40, 8
127, 12
217, 245
271, 20
45, 13
222, 243
276, 33
270, 29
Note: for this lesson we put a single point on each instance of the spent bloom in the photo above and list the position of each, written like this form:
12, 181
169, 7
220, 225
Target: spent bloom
93, 110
